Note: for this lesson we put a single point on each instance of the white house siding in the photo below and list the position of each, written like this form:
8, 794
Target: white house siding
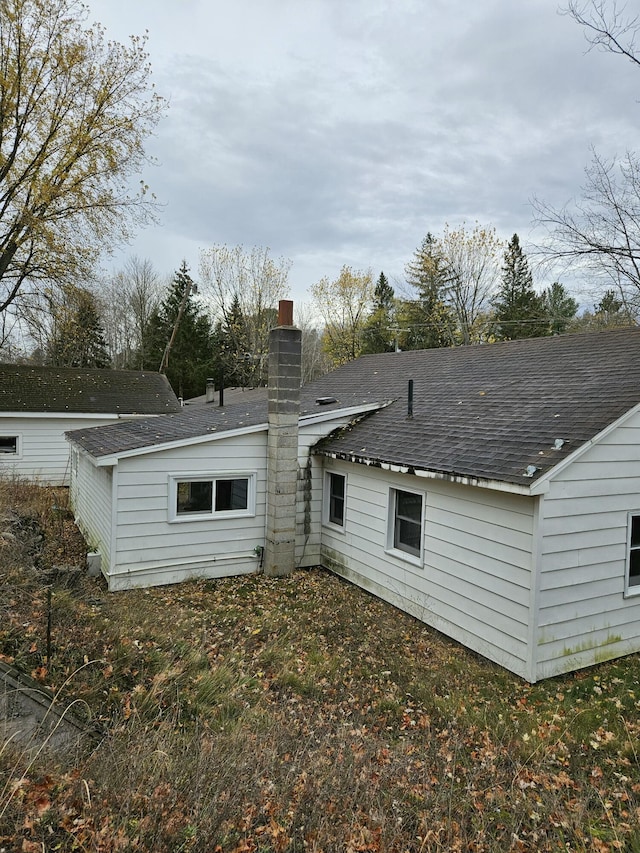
309, 492
583, 615
475, 582
43, 450
149, 550
91, 499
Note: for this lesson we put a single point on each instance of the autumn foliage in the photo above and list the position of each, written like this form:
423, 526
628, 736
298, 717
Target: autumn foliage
254, 714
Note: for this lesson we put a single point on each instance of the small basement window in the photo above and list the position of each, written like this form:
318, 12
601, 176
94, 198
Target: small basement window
633, 555
201, 496
9, 444
335, 494
405, 523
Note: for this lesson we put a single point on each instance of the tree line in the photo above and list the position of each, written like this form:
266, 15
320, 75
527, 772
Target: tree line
462, 287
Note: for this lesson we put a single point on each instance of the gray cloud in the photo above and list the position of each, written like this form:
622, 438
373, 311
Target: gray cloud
342, 132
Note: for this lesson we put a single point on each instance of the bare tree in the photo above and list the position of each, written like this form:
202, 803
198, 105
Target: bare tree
607, 26
314, 360
128, 300
472, 264
243, 288
600, 232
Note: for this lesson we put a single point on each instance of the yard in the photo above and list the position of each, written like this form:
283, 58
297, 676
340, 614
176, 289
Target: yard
258, 714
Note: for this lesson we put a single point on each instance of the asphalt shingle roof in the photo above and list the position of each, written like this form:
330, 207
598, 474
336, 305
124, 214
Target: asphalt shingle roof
490, 411
485, 411
30, 388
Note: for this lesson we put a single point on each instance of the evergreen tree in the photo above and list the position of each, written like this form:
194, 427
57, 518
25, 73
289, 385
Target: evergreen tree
77, 338
519, 310
559, 308
233, 346
378, 334
190, 359
426, 321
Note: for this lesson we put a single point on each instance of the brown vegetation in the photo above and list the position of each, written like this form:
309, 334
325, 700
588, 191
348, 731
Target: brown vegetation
256, 714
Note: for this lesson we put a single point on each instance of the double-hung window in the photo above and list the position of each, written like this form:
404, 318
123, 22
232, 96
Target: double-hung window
632, 584
405, 522
198, 496
335, 495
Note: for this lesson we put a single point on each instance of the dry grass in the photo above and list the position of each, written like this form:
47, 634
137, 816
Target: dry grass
255, 714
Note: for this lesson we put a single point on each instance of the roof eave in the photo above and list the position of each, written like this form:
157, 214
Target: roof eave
427, 473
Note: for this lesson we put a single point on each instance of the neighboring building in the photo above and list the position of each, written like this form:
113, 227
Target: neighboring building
500, 505
38, 404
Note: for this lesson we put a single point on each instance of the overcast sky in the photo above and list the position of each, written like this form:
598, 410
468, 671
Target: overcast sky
341, 131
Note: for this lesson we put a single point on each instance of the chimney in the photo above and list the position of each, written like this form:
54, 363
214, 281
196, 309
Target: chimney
209, 393
282, 447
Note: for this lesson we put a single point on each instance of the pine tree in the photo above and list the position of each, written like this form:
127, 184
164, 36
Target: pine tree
190, 359
519, 310
78, 336
233, 346
426, 321
559, 308
378, 334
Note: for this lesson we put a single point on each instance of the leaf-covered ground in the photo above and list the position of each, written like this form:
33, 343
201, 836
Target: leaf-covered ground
297, 714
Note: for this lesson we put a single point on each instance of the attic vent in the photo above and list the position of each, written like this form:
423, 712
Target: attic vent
325, 401
531, 470
557, 444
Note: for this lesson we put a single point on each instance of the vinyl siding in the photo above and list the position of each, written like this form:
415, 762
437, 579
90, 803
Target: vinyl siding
474, 584
309, 491
44, 451
150, 550
91, 500
583, 615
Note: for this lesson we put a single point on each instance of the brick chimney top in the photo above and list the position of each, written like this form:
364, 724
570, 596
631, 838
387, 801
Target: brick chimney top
285, 312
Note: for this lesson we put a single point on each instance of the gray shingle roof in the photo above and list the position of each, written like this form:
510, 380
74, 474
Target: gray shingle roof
188, 423
490, 411
30, 388
485, 411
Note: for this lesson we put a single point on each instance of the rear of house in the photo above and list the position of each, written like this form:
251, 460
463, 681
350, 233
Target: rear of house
161, 512
507, 518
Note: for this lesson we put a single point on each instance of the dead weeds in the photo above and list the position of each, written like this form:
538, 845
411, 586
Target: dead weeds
257, 714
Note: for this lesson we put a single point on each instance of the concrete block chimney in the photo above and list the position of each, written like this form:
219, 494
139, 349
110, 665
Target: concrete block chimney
282, 461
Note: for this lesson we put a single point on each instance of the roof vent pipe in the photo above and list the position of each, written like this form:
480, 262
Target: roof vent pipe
410, 399
210, 389
221, 388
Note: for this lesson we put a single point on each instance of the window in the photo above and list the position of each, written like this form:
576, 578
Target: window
405, 532
633, 565
208, 496
335, 490
9, 444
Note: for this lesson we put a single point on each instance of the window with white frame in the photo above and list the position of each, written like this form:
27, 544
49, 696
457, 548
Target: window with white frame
334, 498
9, 444
198, 496
405, 522
633, 554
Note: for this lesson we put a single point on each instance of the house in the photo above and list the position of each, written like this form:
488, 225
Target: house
492, 491
38, 404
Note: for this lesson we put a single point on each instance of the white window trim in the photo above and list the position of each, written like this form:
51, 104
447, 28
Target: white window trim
391, 550
203, 476
630, 591
18, 438
326, 498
